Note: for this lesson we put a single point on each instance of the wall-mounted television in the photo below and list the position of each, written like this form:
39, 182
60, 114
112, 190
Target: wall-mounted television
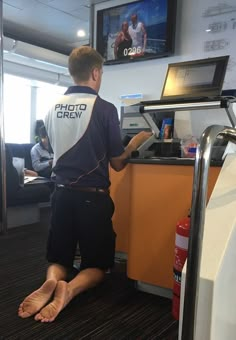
137, 30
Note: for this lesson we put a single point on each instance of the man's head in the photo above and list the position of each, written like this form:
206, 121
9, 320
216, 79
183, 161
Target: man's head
43, 137
85, 66
134, 18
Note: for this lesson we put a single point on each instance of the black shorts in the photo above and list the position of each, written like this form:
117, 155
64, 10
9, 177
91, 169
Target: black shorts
84, 218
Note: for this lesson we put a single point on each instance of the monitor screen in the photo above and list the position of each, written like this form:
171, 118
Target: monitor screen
196, 78
137, 30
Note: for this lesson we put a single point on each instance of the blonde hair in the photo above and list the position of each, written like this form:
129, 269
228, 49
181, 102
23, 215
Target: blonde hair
82, 61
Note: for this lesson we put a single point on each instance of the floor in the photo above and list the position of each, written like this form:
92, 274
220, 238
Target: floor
113, 310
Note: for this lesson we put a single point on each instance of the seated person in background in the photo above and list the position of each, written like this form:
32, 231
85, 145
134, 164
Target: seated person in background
42, 155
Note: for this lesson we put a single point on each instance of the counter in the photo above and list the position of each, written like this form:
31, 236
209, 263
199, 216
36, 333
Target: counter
150, 196
120, 192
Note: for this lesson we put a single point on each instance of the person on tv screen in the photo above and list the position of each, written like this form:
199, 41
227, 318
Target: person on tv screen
123, 42
138, 34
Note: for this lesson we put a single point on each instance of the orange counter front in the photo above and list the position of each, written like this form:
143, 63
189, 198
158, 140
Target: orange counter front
149, 200
120, 193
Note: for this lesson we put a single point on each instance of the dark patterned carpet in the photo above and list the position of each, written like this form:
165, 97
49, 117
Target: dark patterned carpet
113, 310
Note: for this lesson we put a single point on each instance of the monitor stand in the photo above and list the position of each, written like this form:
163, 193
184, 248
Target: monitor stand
223, 103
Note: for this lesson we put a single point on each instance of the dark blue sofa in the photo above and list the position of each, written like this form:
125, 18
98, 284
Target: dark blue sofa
23, 203
29, 194
22, 151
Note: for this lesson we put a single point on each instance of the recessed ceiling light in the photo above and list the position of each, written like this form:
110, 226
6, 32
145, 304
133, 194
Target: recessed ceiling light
81, 33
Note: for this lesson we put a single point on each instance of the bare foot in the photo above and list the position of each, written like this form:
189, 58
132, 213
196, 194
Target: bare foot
61, 299
36, 300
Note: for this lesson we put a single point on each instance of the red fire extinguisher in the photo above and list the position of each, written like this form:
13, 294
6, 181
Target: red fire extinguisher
181, 251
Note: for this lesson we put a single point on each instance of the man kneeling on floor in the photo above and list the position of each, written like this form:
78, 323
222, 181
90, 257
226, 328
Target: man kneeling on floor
84, 132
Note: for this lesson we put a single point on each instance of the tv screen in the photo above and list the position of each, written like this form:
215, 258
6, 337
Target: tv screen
137, 30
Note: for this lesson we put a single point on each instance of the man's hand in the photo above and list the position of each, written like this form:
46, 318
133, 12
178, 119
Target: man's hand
118, 163
139, 139
30, 173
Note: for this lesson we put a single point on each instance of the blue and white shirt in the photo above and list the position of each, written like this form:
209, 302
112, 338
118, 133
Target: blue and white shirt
84, 133
40, 157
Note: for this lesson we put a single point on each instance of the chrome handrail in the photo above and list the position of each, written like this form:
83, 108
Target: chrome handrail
199, 197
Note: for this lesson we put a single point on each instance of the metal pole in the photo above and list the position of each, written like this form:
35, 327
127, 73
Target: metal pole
3, 220
199, 196
91, 26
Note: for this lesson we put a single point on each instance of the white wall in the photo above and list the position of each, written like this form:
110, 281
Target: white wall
192, 42
147, 77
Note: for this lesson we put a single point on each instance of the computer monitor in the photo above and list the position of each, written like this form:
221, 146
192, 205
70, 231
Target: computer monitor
195, 79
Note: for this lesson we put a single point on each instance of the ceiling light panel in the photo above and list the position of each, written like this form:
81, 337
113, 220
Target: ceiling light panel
66, 6
17, 4
82, 13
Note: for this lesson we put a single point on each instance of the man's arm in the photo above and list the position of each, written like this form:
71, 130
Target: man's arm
30, 173
119, 163
144, 37
117, 42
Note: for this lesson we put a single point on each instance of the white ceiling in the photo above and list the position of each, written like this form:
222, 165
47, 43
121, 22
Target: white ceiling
51, 24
